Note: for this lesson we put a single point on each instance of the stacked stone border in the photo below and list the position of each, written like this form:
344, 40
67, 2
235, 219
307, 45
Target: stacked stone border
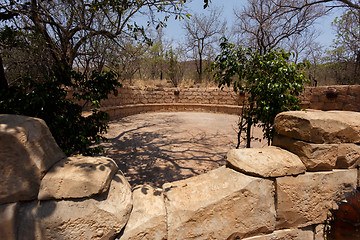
281, 192
134, 100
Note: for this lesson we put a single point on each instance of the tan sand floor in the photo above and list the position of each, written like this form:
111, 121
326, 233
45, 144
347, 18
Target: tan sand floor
154, 148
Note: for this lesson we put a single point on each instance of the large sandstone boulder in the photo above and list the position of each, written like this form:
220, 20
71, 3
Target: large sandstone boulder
148, 217
317, 157
8, 221
287, 234
306, 199
219, 203
77, 177
27, 151
265, 162
101, 217
348, 155
320, 126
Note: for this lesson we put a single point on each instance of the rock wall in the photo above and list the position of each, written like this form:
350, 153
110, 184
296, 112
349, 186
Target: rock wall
134, 100
45, 195
281, 192
135, 95
340, 97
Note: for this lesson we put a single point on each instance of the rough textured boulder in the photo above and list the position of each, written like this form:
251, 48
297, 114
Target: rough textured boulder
148, 217
316, 157
77, 177
219, 203
27, 151
265, 162
305, 200
8, 221
101, 217
348, 156
319, 232
320, 126
287, 234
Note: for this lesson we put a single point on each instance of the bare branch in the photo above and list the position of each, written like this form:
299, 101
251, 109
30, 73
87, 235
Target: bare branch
202, 31
267, 24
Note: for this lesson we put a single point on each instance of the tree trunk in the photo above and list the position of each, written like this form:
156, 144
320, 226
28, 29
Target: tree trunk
200, 68
201, 50
248, 134
3, 81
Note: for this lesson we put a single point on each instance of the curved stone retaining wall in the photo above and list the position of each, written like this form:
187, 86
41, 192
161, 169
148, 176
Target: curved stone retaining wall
116, 112
135, 95
340, 97
261, 194
134, 100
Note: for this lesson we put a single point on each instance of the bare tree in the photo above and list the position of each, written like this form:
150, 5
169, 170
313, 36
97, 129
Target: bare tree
3, 81
267, 24
345, 53
346, 48
305, 46
126, 58
308, 49
354, 4
202, 31
68, 27
347, 29
156, 54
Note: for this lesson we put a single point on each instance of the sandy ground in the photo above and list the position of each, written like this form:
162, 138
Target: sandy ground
155, 148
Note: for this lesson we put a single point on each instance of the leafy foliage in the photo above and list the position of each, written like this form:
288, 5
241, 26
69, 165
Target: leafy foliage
173, 71
48, 100
271, 83
347, 27
345, 53
68, 33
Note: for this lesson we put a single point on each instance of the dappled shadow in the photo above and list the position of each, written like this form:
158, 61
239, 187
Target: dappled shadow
164, 147
86, 164
20, 172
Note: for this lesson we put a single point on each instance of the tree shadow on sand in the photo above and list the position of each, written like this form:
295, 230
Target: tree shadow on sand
158, 153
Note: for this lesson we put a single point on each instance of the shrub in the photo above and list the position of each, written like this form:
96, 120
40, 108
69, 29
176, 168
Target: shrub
270, 82
48, 100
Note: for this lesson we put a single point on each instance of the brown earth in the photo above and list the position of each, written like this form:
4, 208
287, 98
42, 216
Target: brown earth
154, 148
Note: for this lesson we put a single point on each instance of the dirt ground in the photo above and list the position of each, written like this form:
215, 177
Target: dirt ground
154, 148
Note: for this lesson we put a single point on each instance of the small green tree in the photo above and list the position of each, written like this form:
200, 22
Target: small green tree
270, 82
346, 47
173, 70
48, 100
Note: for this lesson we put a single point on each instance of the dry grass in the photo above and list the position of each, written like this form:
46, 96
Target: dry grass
154, 83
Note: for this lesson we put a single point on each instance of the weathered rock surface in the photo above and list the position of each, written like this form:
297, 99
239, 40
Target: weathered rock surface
148, 217
320, 126
27, 151
348, 155
319, 232
265, 162
219, 203
316, 157
102, 217
8, 221
287, 234
305, 200
77, 177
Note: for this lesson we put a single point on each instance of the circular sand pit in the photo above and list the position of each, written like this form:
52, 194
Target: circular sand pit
155, 148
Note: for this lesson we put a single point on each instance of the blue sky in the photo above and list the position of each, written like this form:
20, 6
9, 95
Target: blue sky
174, 29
